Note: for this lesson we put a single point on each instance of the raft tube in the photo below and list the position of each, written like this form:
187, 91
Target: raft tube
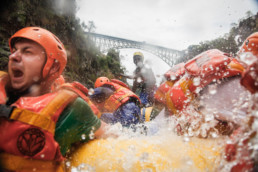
148, 154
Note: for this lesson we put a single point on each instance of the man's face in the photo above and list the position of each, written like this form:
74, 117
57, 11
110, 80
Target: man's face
26, 64
137, 59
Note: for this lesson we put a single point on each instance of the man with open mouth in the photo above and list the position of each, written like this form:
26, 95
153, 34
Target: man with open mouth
38, 125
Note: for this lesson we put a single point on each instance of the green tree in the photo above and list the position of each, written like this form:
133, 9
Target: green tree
58, 16
230, 42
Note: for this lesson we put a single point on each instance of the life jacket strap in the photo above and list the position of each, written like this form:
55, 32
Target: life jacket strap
113, 105
82, 91
43, 119
170, 104
21, 164
146, 113
63, 98
34, 119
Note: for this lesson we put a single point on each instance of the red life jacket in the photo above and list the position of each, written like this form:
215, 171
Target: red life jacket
120, 83
162, 90
120, 96
238, 150
202, 70
82, 91
27, 139
176, 72
172, 75
249, 77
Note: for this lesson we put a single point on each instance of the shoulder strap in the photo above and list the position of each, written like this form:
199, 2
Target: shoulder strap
121, 83
43, 119
81, 91
63, 98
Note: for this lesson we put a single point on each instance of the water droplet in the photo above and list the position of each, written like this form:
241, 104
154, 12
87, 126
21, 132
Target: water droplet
36, 78
247, 57
198, 89
187, 100
139, 79
91, 91
173, 77
186, 139
189, 162
238, 39
91, 135
209, 117
144, 157
68, 163
196, 81
83, 136
74, 169
190, 132
229, 142
212, 89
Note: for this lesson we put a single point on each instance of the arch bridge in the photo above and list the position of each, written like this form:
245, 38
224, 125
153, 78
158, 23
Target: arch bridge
105, 42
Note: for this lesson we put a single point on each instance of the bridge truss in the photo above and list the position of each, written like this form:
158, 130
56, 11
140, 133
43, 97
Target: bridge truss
105, 43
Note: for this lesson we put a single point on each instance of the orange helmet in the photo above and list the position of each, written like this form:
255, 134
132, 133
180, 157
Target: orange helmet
101, 81
250, 44
54, 48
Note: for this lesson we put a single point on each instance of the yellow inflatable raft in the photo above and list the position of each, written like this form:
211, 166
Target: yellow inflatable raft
149, 153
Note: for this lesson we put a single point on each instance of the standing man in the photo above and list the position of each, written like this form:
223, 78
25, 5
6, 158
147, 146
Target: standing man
144, 83
38, 126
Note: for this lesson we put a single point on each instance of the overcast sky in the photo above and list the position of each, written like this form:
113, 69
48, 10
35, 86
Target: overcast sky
173, 24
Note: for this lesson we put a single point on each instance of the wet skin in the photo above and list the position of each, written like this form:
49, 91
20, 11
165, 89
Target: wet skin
26, 64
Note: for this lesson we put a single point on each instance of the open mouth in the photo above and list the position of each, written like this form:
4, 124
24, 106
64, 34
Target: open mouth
17, 73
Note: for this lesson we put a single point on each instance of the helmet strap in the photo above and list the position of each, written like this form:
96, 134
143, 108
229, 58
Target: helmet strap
54, 69
50, 78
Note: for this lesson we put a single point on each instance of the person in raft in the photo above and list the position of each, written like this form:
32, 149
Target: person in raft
117, 102
38, 125
240, 151
201, 95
